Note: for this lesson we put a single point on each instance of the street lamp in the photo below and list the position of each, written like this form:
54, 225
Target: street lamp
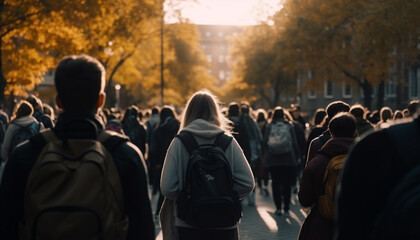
162, 81
117, 96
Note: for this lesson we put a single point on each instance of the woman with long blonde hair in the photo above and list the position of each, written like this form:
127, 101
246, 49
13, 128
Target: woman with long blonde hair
202, 117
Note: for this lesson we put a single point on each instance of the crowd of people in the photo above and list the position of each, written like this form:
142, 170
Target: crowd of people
276, 145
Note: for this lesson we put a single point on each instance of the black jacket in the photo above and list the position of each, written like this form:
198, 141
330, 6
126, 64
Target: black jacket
128, 160
373, 169
161, 139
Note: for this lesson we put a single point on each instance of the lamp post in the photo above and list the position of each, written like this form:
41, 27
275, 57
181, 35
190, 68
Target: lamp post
162, 80
117, 96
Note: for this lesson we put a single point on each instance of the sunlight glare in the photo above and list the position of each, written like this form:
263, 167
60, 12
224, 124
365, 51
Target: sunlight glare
268, 219
230, 12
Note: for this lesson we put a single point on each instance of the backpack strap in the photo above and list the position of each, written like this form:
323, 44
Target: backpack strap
223, 141
188, 140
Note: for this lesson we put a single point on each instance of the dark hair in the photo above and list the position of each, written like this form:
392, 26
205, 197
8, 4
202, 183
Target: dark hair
233, 110
278, 113
343, 125
319, 116
155, 110
412, 106
336, 107
79, 79
36, 102
23, 108
165, 112
398, 114
357, 111
386, 114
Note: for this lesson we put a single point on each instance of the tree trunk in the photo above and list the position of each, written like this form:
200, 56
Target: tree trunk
381, 95
3, 82
367, 91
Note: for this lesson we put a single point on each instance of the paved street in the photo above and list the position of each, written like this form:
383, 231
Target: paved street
260, 222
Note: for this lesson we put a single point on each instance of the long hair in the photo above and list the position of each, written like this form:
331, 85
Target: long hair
204, 105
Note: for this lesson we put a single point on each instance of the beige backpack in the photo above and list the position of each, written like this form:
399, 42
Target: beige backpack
74, 192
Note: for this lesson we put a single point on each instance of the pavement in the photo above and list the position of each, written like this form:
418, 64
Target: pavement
259, 222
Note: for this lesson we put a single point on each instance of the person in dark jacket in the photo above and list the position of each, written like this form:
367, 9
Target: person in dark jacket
376, 165
165, 131
85, 76
343, 133
134, 129
317, 143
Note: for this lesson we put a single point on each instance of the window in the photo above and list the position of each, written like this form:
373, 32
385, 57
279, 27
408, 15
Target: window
347, 90
209, 58
414, 82
203, 46
390, 87
220, 34
221, 59
209, 71
208, 34
222, 75
311, 94
328, 89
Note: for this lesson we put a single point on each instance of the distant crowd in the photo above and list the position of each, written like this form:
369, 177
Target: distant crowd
343, 164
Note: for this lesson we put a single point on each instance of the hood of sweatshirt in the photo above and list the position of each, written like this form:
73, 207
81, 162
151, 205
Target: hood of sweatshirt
203, 129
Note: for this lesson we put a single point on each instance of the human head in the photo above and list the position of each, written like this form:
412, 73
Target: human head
357, 111
48, 110
261, 115
398, 114
23, 108
278, 113
319, 116
155, 110
342, 125
336, 107
36, 102
386, 114
233, 109
295, 110
131, 113
245, 107
80, 83
204, 105
412, 106
165, 112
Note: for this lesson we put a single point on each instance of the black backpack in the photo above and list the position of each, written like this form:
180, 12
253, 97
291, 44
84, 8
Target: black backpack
207, 199
23, 133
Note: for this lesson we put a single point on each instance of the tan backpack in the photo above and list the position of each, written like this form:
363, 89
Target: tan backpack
74, 192
326, 204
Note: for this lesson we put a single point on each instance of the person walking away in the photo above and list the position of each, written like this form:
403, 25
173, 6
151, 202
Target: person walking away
250, 134
262, 172
22, 126
281, 160
134, 129
77, 178
378, 194
39, 114
320, 178
204, 122
165, 131
332, 109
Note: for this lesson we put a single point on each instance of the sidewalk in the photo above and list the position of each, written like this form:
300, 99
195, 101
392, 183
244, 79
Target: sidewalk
260, 222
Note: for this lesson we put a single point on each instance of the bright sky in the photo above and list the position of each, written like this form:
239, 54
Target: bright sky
230, 12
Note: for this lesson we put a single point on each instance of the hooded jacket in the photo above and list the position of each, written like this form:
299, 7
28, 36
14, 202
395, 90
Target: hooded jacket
315, 226
175, 165
13, 126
